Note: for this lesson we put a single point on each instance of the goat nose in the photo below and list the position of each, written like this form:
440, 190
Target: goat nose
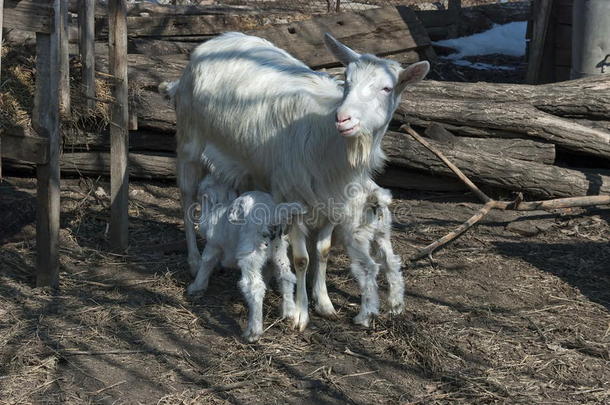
341, 118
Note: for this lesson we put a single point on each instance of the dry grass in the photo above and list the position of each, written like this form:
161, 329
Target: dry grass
497, 319
18, 88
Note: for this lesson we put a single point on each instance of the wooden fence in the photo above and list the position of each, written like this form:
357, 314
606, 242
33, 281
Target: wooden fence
49, 20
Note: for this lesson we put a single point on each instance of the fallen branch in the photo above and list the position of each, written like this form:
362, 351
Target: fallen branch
517, 205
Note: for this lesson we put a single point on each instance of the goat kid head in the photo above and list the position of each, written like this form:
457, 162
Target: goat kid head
372, 90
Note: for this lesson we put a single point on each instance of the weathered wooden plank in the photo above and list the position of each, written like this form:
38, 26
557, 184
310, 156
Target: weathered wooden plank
31, 149
140, 140
64, 60
436, 18
1, 14
542, 16
45, 120
28, 15
189, 25
381, 31
86, 24
119, 135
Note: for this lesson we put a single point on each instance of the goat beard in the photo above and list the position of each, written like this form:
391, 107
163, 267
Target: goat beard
359, 149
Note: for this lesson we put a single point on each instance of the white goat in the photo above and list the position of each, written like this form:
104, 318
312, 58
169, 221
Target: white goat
297, 133
365, 231
246, 233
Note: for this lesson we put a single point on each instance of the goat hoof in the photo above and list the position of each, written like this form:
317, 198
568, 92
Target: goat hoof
363, 319
396, 308
251, 335
194, 289
327, 312
300, 320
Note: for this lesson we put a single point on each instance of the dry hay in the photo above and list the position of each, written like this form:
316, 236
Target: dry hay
18, 88
498, 319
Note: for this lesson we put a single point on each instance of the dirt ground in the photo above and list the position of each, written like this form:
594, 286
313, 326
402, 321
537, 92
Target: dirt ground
516, 311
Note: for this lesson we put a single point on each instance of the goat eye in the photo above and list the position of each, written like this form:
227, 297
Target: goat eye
386, 89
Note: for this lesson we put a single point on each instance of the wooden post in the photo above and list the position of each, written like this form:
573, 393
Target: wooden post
1, 11
542, 15
45, 119
119, 134
86, 26
64, 55
455, 10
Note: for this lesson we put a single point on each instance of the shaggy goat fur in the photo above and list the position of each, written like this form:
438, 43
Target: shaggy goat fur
246, 233
366, 233
268, 113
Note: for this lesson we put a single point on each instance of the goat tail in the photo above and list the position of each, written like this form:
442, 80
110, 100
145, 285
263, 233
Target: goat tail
168, 89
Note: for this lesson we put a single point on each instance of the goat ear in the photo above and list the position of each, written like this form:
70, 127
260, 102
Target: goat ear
341, 52
412, 74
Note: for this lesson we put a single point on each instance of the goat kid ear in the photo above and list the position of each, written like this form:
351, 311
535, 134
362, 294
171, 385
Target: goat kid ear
412, 74
340, 51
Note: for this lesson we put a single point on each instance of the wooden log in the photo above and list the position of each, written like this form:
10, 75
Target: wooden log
399, 177
587, 97
95, 163
45, 120
486, 169
516, 118
119, 174
86, 20
29, 15
522, 149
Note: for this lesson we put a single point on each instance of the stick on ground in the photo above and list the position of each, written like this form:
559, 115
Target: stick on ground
517, 205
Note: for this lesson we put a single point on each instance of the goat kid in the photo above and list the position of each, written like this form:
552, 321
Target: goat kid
245, 233
297, 133
365, 234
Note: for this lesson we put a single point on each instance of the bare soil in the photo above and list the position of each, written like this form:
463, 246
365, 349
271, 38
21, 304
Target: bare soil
516, 311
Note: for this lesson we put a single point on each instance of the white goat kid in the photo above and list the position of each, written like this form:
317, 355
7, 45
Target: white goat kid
366, 232
246, 233
297, 133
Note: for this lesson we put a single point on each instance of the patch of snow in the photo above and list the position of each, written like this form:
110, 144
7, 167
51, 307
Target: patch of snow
506, 39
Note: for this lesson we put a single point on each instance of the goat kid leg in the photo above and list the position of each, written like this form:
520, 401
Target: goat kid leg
391, 264
324, 306
209, 260
284, 276
189, 175
252, 286
300, 259
365, 270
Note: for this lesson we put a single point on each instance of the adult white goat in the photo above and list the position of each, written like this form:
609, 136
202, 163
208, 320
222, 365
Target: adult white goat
298, 133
